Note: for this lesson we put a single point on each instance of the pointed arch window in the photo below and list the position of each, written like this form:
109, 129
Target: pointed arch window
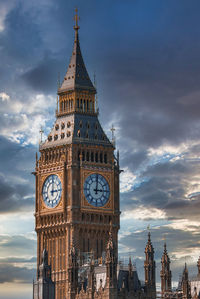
101, 158
87, 156
77, 103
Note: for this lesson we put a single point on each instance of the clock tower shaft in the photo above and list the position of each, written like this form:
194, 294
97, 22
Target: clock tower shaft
79, 155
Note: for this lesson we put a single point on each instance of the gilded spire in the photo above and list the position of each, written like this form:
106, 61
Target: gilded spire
76, 77
76, 18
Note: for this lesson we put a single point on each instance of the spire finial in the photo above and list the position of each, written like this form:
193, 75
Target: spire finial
149, 236
76, 18
113, 134
41, 134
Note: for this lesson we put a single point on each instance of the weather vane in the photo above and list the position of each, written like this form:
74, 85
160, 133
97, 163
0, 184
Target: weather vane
76, 18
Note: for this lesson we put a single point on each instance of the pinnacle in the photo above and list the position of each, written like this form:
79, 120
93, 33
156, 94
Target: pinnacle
76, 76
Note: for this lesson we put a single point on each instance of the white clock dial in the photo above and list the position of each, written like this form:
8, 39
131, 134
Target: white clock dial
96, 190
51, 191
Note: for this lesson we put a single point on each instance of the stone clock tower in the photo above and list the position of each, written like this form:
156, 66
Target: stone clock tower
77, 178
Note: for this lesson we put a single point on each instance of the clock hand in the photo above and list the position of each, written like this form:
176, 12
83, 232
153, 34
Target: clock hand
54, 191
96, 184
52, 183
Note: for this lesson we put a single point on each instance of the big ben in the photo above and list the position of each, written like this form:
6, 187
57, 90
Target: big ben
77, 178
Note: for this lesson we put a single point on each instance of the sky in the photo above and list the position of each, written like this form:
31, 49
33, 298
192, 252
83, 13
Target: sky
146, 57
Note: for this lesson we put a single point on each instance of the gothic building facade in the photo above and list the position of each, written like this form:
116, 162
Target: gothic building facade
77, 214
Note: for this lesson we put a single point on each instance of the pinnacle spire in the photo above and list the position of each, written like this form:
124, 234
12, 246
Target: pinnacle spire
149, 237
76, 77
76, 18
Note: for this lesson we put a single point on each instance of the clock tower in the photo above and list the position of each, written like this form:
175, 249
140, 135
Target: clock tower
77, 178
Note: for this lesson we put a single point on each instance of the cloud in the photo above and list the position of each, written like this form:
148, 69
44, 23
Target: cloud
4, 96
16, 181
17, 246
10, 273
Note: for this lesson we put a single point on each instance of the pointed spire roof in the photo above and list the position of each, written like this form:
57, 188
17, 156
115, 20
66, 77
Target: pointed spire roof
165, 257
149, 246
76, 76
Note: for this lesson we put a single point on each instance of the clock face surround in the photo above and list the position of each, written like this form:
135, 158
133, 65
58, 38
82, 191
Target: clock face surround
96, 190
51, 191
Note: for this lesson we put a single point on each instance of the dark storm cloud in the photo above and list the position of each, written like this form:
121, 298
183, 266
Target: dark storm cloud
16, 181
16, 247
17, 260
152, 77
43, 78
17, 242
166, 188
10, 273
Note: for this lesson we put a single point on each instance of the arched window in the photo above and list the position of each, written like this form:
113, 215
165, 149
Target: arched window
101, 158
97, 248
83, 155
84, 106
92, 157
101, 246
96, 157
105, 158
87, 156
77, 103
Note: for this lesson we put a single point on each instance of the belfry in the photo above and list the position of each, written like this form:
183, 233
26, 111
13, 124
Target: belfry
77, 180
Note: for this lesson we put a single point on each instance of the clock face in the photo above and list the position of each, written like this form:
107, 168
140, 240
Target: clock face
96, 190
51, 191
